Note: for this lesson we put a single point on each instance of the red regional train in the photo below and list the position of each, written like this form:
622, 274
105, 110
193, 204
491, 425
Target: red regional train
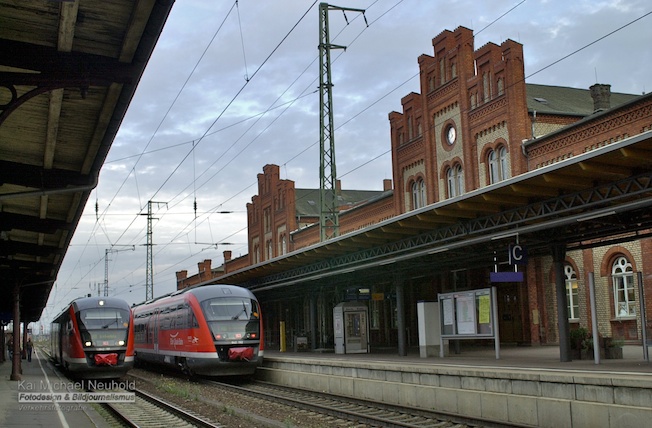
93, 338
209, 330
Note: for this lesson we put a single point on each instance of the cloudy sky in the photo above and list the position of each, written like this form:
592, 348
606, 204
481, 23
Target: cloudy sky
232, 87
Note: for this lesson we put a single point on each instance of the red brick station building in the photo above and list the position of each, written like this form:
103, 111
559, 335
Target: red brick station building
475, 128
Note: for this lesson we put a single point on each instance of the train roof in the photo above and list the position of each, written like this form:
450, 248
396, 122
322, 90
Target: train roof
82, 303
203, 292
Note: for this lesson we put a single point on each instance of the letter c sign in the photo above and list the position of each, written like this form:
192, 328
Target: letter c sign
517, 255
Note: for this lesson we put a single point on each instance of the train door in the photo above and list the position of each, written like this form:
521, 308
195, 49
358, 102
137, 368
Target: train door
152, 331
156, 331
509, 313
66, 340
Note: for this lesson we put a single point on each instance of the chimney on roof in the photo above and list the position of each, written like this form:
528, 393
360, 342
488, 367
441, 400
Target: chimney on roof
601, 95
387, 184
182, 275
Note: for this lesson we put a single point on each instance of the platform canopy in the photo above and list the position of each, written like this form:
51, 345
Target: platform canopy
68, 72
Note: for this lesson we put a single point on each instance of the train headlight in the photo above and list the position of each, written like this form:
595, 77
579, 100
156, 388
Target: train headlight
87, 343
121, 343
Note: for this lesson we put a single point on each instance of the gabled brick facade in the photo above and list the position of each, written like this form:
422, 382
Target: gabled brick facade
481, 95
475, 122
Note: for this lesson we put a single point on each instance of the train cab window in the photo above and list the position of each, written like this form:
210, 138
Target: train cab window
103, 318
230, 308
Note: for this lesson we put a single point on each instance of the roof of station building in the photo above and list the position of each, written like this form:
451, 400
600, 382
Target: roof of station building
560, 100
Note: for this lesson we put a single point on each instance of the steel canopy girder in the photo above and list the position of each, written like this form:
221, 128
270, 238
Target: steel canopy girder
570, 212
44, 69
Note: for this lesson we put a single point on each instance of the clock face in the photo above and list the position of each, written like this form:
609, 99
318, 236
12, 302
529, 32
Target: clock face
451, 134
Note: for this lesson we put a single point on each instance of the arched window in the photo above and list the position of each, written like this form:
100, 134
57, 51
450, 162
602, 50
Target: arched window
494, 174
455, 181
498, 170
269, 250
502, 158
422, 192
418, 194
572, 292
267, 219
284, 244
442, 72
622, 275
486, 87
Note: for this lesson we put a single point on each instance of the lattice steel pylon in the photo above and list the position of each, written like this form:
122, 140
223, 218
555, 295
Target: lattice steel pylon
149, 270
329, 208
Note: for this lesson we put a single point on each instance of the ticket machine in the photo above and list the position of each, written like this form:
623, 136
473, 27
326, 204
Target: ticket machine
351, 326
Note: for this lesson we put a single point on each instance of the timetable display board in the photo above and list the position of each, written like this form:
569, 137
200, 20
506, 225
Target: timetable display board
467, 314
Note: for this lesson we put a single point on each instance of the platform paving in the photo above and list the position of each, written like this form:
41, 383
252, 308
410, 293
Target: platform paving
526, 386
462, 378
39, 378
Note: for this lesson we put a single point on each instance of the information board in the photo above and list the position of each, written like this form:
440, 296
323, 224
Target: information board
467, 313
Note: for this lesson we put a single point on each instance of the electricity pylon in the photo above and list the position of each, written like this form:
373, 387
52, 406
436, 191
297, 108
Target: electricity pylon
329, 225
149, 274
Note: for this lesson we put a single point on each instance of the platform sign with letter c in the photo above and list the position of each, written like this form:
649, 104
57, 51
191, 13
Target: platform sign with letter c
517, 255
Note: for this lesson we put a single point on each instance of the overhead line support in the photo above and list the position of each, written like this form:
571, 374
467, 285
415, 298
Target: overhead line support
149, 274
329, 206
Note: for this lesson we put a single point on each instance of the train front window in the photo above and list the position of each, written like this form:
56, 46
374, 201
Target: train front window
103, 318
229, 309
232, 318
100, 327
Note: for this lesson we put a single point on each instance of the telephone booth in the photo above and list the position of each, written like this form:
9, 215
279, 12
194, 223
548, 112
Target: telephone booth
351, 327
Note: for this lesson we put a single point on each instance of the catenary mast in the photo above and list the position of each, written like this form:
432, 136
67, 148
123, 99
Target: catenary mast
329, 207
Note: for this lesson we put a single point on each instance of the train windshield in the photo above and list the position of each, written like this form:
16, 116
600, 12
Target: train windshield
232, 319
103, 319
230, 309
103, 327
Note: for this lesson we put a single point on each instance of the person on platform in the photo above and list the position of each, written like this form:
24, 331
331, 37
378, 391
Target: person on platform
10, 347
28, 349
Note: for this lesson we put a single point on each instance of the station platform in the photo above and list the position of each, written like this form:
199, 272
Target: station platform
525, 387
38, 377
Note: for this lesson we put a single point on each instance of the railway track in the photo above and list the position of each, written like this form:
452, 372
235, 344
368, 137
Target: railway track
359, 411
149, 411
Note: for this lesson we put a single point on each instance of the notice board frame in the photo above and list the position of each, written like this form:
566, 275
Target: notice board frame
469, 314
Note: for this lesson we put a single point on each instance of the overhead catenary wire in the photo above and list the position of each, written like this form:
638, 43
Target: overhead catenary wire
219, 115
504, 14
538, 71
339, 125
161, 123
347, 121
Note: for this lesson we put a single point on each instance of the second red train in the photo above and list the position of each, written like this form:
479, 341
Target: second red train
211, 330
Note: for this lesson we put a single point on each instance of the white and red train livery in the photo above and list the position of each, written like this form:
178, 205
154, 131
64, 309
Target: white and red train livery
210, 330
93, 338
